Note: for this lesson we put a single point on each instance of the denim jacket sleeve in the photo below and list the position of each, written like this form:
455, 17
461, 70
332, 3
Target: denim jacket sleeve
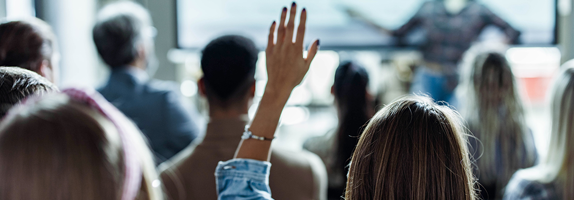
243, 179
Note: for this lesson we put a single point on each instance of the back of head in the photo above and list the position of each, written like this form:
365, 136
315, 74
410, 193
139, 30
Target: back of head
562, 113
59, 150
350, 90
26, 43
412, 149
492, 77
17, 84
558, 164
228, 65
495, 115
350, 87
56, 147
119, 29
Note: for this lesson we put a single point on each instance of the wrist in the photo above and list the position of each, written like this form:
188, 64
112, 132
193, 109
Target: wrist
278, 90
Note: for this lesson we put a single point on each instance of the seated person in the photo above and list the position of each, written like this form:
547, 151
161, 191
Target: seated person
411, 149
16, 84
228, 82
553, 177
493, 110
354, 108
74, 145
123, 36
30, 44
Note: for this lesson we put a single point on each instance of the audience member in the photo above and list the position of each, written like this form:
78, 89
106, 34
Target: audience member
228, 83
411, 149
124, 39
74, 145
553, 177
355, 108
30, 44
494, 113
17, 84
247, 176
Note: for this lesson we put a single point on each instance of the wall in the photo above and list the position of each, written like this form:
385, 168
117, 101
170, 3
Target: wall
566, 29
163, 15
2, 8
72, 21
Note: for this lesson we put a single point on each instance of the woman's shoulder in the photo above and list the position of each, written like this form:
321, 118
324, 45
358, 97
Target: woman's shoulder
521, 187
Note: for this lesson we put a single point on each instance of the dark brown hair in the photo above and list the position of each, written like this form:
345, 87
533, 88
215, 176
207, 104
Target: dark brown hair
412, 149
26, 43
350, 90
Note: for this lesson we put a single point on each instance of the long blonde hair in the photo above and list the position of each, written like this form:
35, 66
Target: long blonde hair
59, 148
495, 115
412, 149
557, 166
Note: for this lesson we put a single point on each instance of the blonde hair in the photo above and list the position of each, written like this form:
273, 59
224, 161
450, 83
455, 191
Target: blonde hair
412, 149
495, 115
557, 166
59, 148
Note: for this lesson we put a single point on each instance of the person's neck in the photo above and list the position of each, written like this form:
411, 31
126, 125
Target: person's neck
455, 6
219, 113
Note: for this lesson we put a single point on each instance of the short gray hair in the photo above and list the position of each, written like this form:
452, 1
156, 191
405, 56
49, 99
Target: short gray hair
16, 84
119, 28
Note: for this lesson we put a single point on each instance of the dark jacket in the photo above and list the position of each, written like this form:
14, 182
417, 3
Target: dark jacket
155, 107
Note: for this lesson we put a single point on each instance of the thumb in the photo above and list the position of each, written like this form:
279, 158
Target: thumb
312, 52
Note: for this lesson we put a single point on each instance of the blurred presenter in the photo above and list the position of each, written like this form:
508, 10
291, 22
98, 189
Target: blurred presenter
451, 27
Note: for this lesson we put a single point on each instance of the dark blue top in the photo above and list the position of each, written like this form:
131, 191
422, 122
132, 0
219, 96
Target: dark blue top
450, 35
155, 107
521, 188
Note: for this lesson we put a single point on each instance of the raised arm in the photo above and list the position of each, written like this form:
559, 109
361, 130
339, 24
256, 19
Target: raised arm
511, 33
286, 68
355, 14
414, 21
247, 176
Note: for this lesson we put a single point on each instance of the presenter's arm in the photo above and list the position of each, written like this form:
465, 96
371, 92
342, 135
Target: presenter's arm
355, 14
512, 34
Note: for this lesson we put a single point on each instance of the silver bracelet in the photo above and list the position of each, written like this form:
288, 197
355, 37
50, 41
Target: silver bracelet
249, 135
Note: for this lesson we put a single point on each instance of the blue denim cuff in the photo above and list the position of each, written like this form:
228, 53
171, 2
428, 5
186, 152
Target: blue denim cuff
243, 179
244, 168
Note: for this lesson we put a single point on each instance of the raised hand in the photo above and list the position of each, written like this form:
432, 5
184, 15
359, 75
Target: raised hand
286, 65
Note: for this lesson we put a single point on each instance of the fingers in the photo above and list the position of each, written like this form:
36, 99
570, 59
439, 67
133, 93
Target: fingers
270, 42
281, 30
291, 23
301, 29
312, 52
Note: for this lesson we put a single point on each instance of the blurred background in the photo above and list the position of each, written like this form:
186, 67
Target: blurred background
185, 26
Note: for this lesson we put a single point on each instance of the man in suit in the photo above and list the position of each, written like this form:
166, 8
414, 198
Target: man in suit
123, 36
228, 83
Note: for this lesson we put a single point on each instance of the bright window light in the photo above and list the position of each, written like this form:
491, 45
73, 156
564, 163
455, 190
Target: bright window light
188, 88
17, 9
